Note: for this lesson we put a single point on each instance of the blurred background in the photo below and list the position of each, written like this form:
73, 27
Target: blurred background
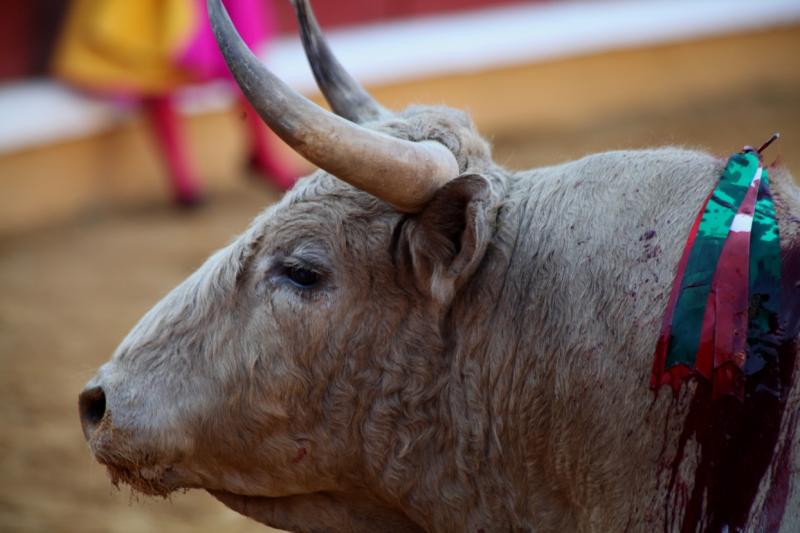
125, 160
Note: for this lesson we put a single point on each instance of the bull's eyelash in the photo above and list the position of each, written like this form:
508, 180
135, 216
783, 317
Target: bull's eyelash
295, 262
286, 269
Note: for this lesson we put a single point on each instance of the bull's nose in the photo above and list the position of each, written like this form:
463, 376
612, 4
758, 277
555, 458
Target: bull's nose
92, 406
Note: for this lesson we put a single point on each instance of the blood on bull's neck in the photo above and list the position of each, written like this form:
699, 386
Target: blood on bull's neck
739, 441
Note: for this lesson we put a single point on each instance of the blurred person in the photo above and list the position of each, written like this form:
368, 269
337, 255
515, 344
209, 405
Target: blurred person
145, 50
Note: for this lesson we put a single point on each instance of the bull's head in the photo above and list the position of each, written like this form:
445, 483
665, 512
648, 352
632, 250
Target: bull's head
308, 361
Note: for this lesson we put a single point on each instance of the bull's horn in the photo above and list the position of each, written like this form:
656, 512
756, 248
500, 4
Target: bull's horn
403, 173
345, 95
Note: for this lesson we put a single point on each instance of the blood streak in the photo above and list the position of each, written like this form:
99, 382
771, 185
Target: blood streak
300, 454
737, 441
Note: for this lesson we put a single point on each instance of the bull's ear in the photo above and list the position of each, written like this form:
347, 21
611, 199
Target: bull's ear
447, 240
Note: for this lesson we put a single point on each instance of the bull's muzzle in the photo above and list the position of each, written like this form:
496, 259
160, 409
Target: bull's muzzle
92, 408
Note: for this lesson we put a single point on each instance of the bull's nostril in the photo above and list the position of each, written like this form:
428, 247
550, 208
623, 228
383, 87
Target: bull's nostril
92, 406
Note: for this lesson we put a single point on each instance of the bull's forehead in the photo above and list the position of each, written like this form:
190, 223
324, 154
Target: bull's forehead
318, 207
327, 189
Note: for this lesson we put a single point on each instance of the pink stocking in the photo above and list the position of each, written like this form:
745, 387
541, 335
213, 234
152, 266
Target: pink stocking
263, 153
167, 129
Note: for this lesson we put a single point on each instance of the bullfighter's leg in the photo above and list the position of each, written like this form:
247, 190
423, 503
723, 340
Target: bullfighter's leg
166, 127
264, 157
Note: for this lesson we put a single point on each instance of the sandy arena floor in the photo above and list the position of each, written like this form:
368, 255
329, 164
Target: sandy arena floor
69, 294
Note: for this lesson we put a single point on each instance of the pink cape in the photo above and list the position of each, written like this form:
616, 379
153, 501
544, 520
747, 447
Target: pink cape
255, 21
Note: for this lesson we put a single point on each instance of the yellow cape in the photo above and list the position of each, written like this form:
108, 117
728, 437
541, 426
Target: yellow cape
127, 46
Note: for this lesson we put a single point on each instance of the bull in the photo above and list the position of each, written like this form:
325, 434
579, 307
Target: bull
417, 339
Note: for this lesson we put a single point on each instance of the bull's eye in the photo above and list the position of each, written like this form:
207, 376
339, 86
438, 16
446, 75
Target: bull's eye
303, 278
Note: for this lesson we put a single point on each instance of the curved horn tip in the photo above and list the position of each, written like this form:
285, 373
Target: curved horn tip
345, 95
403, 173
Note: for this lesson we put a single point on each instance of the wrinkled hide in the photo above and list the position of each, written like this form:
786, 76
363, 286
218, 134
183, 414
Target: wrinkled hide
480, 365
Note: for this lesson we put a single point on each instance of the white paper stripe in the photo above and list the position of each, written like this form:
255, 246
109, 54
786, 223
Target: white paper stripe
743, 222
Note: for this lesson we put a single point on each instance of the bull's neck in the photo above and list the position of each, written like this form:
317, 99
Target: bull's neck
487, 402
496, 391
